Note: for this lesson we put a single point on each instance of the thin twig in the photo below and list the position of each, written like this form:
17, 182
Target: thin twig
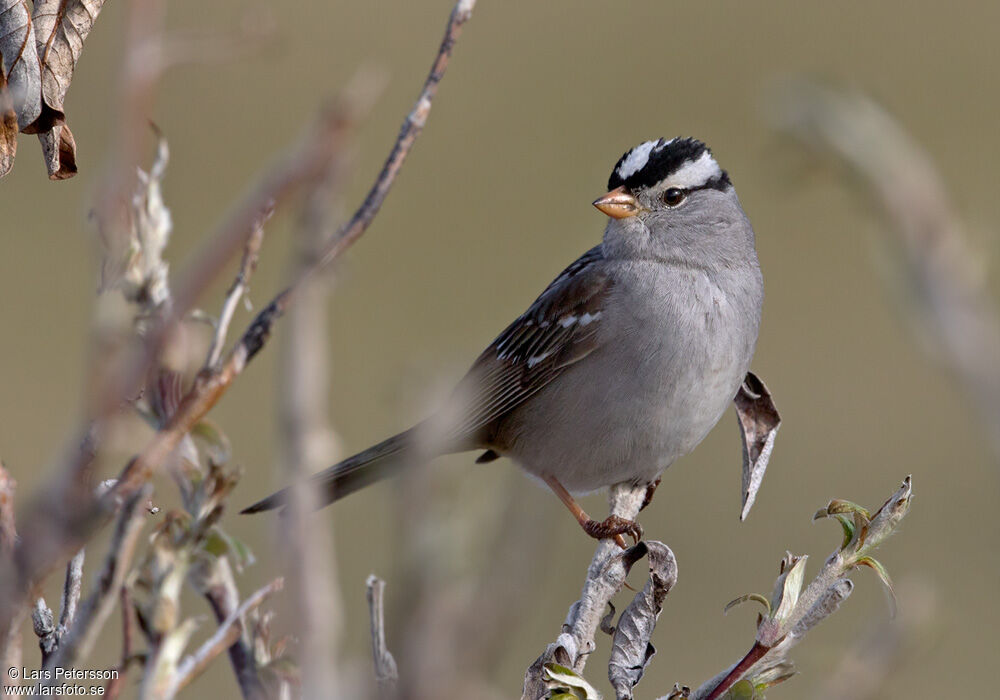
10, 634
114, 686
43, 622
210, 386
386, 673
98, 605
53, 537
8, 529
216, 582
251, 253
228, 632
71, 591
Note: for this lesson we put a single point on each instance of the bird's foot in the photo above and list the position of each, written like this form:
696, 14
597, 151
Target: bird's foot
650, 490
613, 526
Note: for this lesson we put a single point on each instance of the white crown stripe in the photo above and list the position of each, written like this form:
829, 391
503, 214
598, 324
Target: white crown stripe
696, 173
636, 160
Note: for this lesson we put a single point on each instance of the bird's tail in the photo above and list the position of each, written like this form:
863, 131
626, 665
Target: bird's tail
363, 469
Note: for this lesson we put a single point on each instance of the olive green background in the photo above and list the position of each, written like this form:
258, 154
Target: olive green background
540, 101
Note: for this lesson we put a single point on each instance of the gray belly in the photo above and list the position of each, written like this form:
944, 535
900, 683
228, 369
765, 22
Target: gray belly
666, 371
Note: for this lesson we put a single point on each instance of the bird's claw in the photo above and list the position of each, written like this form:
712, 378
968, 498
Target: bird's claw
613, 526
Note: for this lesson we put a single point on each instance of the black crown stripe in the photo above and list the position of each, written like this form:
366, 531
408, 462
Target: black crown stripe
665, 159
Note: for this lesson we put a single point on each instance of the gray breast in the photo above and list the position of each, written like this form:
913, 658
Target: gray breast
674, 350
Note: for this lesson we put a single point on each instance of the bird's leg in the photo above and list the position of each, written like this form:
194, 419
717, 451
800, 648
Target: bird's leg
611, 527
650, 490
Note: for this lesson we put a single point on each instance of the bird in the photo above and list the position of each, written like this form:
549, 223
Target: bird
623, 364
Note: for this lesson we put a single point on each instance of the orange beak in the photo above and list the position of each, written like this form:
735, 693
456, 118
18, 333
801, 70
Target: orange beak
618, 204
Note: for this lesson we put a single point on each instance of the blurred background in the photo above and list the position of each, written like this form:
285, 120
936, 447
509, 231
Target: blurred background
539, 103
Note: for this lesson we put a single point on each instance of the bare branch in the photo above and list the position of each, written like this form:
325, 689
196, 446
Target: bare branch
96, 608
605, 577
71, 591
251, 253
10, 635
408, 133
386, 673
952, 300
215, 581
43, 622
225, 636
309, 444
116, 684
8, 529
210, 386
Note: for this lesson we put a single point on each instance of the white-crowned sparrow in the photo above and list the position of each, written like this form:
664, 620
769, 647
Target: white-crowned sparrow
625, 361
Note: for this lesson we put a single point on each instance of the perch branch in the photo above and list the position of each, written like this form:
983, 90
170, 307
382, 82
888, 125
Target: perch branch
605, 577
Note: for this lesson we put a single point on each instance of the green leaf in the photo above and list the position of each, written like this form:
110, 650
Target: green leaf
746, 598
566, 683
839, 506
219, 543
219, 450
883, 574
787, 587
742, 690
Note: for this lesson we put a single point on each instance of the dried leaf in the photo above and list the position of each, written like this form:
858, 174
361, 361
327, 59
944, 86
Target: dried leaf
631, 649
61, 27
59, 151
759, 422
20, 60
137, 267
8, 127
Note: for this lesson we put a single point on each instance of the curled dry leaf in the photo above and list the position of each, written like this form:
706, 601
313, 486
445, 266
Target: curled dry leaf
61, 27
59, 151
8, 127
759, 423
20, 60
631, 649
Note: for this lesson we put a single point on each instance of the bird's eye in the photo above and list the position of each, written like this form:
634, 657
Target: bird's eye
674, 196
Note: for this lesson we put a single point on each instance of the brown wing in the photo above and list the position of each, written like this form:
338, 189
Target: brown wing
558, 329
